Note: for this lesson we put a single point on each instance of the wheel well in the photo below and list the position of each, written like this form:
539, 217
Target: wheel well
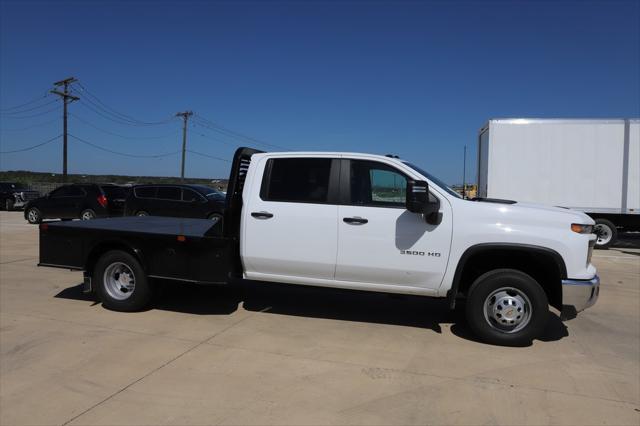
102, 248
544, 266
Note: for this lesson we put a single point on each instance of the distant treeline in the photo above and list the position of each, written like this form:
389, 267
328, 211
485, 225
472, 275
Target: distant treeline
27, 177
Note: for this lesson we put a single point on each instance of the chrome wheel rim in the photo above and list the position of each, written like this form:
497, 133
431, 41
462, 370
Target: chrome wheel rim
119, 281
32, 215
141, 214
604, 233
87, 215
507, 310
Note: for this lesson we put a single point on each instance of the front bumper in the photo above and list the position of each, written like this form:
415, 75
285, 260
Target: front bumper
578, 295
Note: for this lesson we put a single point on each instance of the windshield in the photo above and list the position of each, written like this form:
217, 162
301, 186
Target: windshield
435, 180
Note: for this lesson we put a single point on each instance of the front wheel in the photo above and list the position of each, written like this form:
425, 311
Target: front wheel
507, 307
606, 232
87, 214
142, 213
215, 216
121, 283
34, 216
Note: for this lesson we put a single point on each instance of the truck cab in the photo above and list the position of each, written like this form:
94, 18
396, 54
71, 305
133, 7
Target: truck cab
354, 221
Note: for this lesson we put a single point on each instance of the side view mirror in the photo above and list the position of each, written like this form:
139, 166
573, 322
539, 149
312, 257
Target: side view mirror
419, 201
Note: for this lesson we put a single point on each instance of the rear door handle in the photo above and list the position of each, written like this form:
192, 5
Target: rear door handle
355, 220
262, 215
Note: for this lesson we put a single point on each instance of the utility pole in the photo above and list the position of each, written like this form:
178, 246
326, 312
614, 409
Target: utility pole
464, 173
185, 117
66, 99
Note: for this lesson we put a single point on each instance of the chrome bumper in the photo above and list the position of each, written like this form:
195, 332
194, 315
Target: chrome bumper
578, 295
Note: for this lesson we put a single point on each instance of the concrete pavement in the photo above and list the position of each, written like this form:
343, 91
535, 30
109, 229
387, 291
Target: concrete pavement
272, 354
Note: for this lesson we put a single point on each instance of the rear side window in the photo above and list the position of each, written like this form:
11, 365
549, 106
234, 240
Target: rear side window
145, 192
169, 193
301, 180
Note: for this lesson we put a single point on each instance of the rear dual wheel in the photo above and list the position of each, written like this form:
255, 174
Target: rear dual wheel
121, 283
606, 232
507, 307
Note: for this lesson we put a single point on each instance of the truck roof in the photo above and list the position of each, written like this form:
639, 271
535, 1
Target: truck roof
331, 153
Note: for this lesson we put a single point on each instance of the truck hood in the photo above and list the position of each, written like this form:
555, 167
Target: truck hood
515, 211
563, 212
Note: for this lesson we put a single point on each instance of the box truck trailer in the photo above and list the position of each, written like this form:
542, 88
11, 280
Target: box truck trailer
591, 165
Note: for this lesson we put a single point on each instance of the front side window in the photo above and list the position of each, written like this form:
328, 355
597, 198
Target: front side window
169, 193
59, 192
190, 196
75, 191
68, 191
297, 180
376, 184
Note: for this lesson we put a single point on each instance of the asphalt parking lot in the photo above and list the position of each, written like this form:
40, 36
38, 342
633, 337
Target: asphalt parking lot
271, 354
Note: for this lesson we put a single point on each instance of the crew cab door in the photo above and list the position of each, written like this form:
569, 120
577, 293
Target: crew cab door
289, 219
379, 241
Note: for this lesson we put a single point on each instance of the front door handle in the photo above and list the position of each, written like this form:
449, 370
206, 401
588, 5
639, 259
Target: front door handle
262, 215
355, 220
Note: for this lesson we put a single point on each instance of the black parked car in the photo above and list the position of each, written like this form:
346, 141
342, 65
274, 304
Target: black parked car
197, 201
15, 195
78, 201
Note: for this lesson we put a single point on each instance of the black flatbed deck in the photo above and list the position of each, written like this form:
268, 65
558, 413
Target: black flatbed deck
184, 249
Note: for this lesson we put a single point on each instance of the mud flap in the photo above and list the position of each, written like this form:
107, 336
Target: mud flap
86, 287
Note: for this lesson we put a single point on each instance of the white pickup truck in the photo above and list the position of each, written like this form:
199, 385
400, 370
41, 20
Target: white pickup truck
354, 221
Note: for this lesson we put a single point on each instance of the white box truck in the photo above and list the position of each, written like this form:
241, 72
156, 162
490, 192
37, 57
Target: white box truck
591, 165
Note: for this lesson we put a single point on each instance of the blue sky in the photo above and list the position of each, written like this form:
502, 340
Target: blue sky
415, 79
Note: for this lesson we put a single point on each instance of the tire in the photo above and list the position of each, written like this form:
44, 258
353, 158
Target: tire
34, 216
121, 283
142, 213
87, 214
606, 232
8, 204
215, 216
507, 307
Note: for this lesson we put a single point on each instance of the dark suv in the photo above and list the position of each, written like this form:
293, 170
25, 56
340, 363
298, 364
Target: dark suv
78, 201
196, 201
15, 195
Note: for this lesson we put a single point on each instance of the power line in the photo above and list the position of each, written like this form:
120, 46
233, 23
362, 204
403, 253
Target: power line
29, 127
124, 154
119, 135
39, 98
209, 156
233, 144
94, 108
232, 133
109, 110
35, 115
30, 109
31, 147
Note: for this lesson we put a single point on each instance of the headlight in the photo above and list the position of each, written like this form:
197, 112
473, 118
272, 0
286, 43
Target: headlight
581, 229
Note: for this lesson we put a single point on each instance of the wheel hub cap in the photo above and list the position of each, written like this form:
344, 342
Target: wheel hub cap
507, 310
119, 281
603, 232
